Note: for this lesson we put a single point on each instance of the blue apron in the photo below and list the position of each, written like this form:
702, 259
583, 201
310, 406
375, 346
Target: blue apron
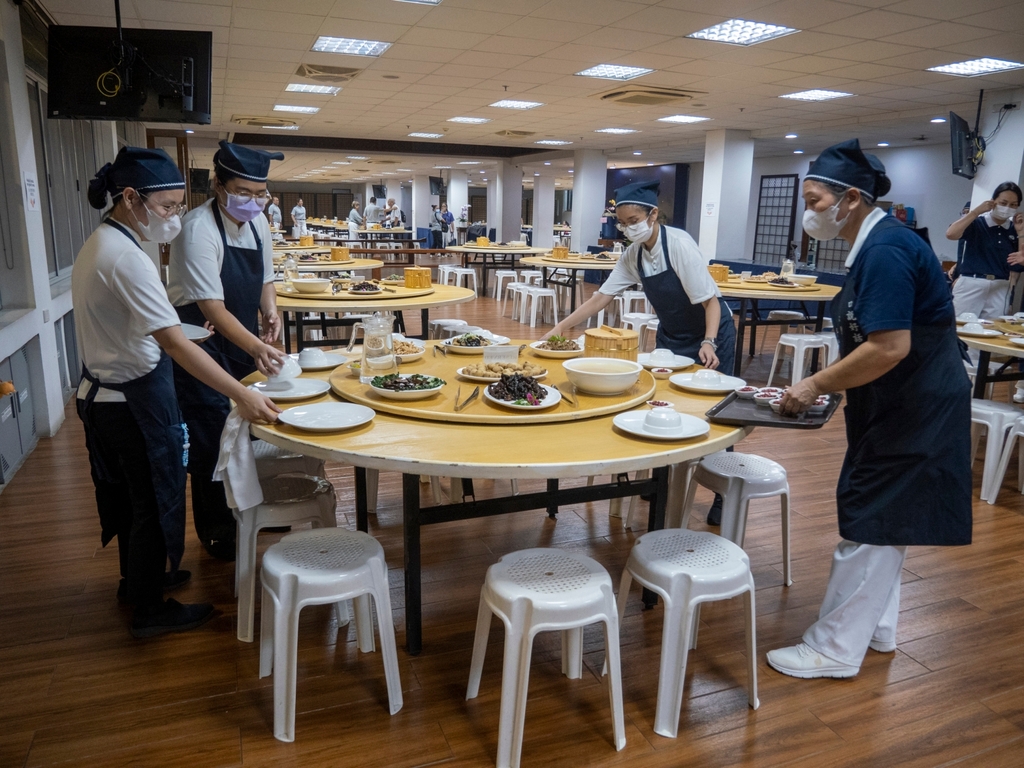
681, 323
152, 403
906, 477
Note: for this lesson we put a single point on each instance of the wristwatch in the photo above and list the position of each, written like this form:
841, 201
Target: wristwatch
712, 342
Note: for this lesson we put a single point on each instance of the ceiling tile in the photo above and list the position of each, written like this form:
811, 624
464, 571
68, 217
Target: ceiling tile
937, 35
869, 25
543, 29
801, 14
608, 11
515, 45
467, 20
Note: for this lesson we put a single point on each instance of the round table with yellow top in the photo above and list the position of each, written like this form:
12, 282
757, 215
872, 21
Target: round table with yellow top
486, 257
579, 448
572, 268
1003, 346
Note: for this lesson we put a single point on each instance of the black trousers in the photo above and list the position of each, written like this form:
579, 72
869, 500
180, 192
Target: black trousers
130, 501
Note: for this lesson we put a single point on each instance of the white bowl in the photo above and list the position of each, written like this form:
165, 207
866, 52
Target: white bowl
804, 279
312, 356
661, 357
746, 393
311, 284
707, 377
776, 404
661, 373
973, 328
662, 421
967, 317
602, 375
289, 370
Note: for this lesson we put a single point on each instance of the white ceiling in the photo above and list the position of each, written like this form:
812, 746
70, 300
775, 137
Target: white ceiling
458, 57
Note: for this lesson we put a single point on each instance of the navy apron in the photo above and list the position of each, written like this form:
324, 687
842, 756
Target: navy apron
681, 323
152, 403
906, 477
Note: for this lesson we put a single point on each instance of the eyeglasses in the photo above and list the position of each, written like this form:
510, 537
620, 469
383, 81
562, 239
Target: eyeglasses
166, 210
262, 198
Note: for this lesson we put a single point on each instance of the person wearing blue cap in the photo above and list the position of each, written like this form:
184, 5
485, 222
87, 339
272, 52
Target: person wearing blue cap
906, 477
127, 334
222, 272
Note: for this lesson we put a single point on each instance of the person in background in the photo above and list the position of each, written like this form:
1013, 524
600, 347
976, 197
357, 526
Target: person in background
434, 225
448, 230
374, 213
299, 217
274, 213
906, 477
128, 333
392, 213
961, 245
221, 271
355, 222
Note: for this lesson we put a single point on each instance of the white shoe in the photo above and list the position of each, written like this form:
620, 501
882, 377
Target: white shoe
803, 661
882, 647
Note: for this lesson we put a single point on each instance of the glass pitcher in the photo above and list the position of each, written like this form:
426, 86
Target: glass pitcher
378, 346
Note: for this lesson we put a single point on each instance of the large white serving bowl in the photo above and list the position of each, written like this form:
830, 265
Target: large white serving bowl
602, 375
311, 284
803, 279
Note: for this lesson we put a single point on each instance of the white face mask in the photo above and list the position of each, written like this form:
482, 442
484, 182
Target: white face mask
638, 233
823, 225
158, 230
1003, 212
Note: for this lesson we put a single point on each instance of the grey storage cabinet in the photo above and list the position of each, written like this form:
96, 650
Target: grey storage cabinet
17, 416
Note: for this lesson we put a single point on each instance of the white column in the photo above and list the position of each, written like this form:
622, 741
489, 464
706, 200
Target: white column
510, 223
494, 200
728, 167
590, 179
458, 192
1004, 158
420, 202
543, 210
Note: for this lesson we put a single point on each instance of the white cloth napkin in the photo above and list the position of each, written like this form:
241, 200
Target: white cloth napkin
236, 464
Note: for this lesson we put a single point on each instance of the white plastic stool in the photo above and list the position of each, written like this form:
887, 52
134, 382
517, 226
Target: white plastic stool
287, 500
439, 328
272, 461
687, 568
740, 477
516, 291
444, 272
793, 316
994, 419
598, 318
637, 321
801, 344
500, 276
318, 568
540, 590
532, 299
464, 272
1016, 432
532, 276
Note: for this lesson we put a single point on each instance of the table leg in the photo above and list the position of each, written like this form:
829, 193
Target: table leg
362, 510
411, 534
286, 331
553, 505
819, 321
299, 331
755, 315
738, 361
483, 275
656, 520
424, 324
981, 375
572, 290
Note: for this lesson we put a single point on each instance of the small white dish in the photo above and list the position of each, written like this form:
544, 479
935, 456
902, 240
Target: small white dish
724, 385
293, 389
675, 362
632, 422
326, 417
820, 405
776, 404
196, 333
554, 397
556, 354
496, 341
746, 393
328, 361
985, 333
411, 394
408, 358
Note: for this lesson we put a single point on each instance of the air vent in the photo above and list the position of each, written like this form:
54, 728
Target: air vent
260, 121
515, 134
639, 96
325, 74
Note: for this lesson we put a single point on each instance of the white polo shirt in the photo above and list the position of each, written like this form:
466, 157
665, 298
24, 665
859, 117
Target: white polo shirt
119, 302
685, 257
197, 254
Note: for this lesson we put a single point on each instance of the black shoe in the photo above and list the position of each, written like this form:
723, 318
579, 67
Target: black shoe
170, 616
172, 580
221, 549
715, 513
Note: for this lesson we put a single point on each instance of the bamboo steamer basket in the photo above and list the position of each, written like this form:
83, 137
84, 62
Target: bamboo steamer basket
617, 343
340, 253
483, 242
417, 277
719, 272
305, 240
560, 252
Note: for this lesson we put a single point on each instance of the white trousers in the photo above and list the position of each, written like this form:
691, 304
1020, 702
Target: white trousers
353, 232
862, 602
985, 298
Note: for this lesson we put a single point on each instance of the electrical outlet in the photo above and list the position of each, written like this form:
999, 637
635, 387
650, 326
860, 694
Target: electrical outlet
999, 106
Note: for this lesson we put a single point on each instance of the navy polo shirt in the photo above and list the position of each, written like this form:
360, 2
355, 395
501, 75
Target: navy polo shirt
898, 283
986, 248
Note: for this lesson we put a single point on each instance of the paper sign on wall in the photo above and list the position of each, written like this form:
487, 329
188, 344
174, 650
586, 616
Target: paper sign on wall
31, 191
709, 209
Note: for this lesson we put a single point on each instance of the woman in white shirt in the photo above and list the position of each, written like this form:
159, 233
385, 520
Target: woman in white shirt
127, 335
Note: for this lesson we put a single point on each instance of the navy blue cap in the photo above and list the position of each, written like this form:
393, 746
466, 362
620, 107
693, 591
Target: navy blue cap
846, 165
144, 170
235, 160
639, 193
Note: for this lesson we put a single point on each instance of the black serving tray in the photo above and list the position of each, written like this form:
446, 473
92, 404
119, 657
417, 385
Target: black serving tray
746, 413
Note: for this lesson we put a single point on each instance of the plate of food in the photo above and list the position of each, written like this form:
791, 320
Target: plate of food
399, 386
522, 393
394, 279
557, 347
473, 343
364, 288
494, 371
327, 417
408, 350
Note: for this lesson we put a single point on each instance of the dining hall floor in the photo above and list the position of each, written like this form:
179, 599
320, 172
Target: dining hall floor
77, 690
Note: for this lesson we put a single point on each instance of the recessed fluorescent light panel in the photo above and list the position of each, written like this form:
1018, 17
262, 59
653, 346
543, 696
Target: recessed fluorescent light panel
938, 120
327, 90
741, 32
357, 157
418, 135
976, 67
469, 162
404, 170
341, 162
553, 142
290, 108
682, 119
442, 167
614, 72
469, 120
282, 127
815, 95
798, 151
791, 136
350, 46
514, 104
883, 143
422, 2
615, 130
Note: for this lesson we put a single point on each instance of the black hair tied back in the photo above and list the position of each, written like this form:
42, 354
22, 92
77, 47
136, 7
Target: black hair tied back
882, 184
99, 186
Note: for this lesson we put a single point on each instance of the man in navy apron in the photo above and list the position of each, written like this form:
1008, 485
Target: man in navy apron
906, 478
127, 334
221, 272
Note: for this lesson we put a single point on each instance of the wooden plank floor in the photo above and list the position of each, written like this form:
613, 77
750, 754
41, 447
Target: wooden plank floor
76, 689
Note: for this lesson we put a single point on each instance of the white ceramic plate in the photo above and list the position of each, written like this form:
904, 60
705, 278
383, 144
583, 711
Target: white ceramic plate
680, 361
484, 379
195, 333
412, 394
496, 341
326, 417
365, 293
297, 389
727, 384
555, 354
414, 355
633, 423
987, 333
1017, 340
553, 398
965, 322
330, 362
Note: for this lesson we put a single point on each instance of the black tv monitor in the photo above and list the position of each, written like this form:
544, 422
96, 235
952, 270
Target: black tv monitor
156, 75
380, 192
961, 142
436, 185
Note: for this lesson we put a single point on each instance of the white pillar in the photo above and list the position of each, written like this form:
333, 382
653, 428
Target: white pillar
1004, 158
420, 202
458, 192
590, 179
510, 224
543, 210
728, 167
494, 201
